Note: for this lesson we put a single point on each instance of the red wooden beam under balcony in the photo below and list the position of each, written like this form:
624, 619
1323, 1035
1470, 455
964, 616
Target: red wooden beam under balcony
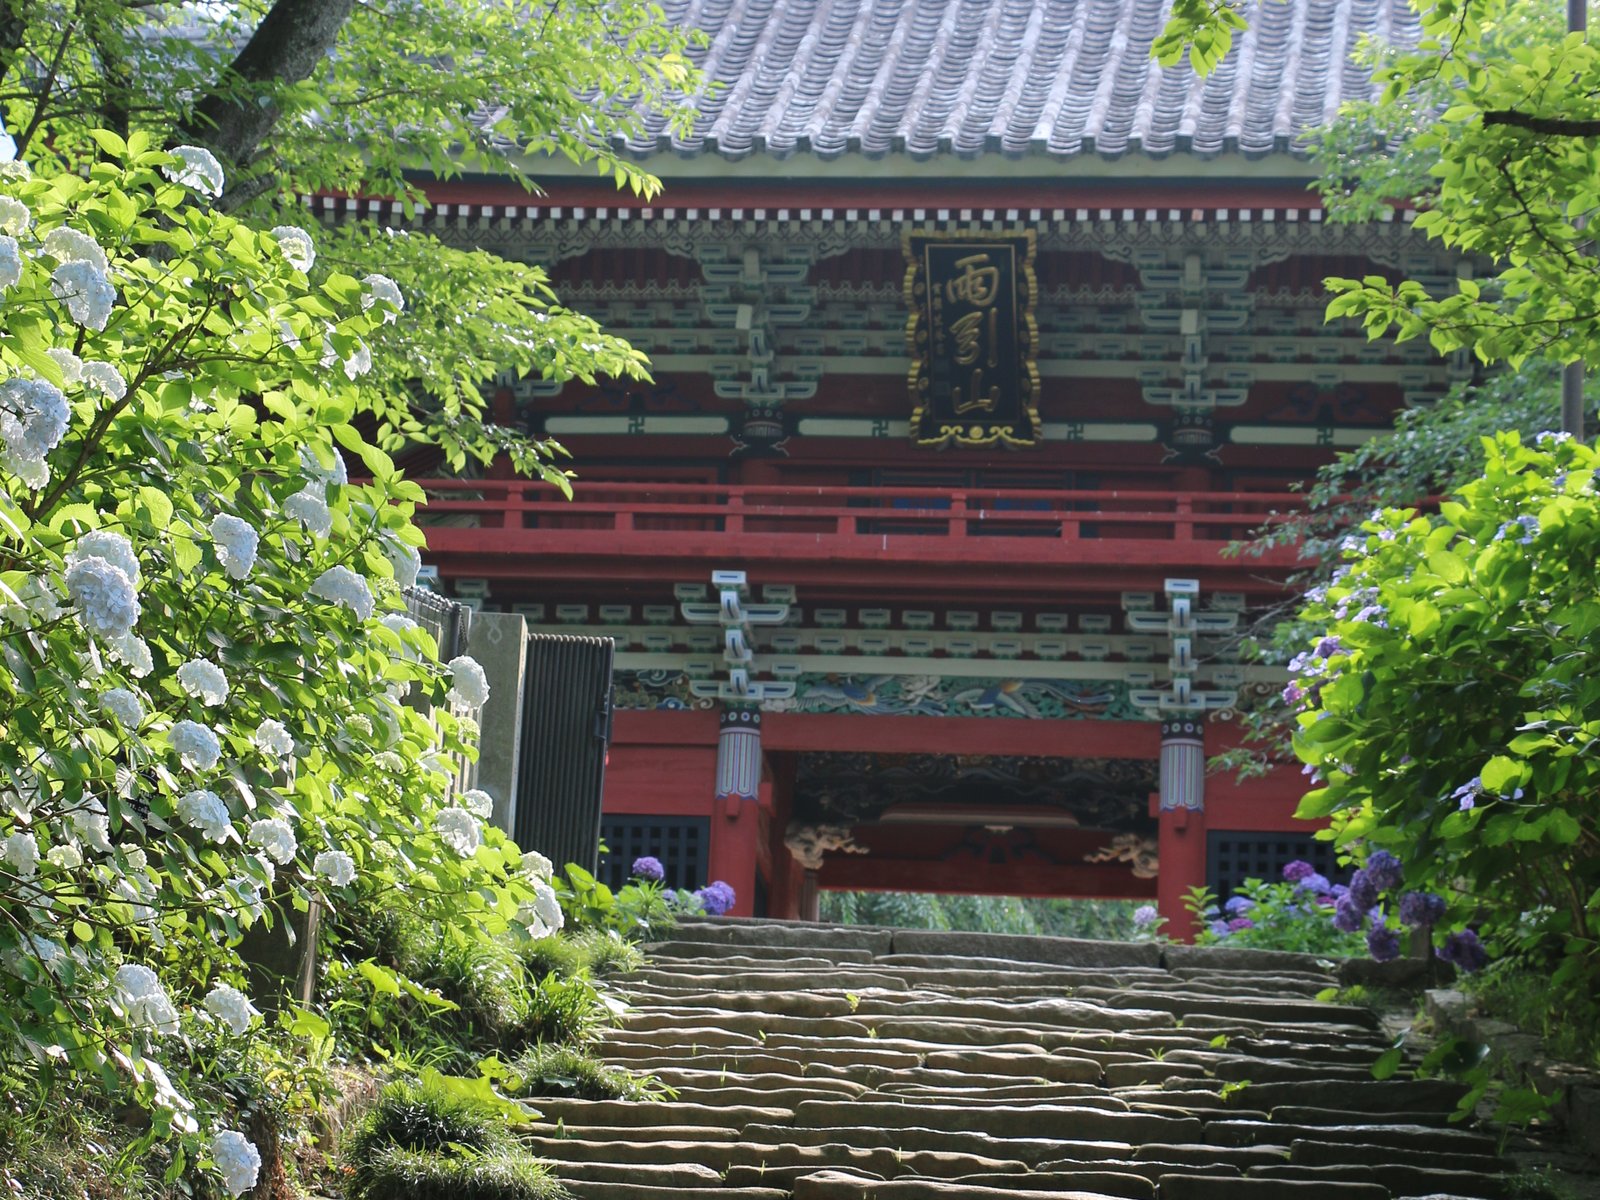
907, 538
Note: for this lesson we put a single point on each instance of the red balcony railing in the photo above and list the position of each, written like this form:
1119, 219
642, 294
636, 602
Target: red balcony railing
811, 513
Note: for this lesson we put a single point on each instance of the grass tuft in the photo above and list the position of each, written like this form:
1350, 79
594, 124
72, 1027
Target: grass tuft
398, 1173
546, 1070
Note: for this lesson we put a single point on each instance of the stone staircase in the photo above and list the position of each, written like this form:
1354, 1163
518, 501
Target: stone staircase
864, 1064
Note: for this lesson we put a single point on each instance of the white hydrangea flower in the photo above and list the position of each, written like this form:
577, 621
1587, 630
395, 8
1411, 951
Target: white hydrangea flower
336, 475
358, 726
205, 810
16, 170
10, 263
469, 687
104, 378
87, 293
341, 585
135, 858
478, 802
67, 245
34, 415
30, 472
467, 728
296, 246
71, 365
203, 680
92, 826
143, 998
238, 1160
542, 916
405, 560
16, 219
132, 652
382, 289
536, 866
196, 745
388, 760
235, 541
272, 739
337, 867
309, 508
123, 706
111, 546
21, 853
459, 829
65, 857
105, 597
230, 1006
197, 168
275, 838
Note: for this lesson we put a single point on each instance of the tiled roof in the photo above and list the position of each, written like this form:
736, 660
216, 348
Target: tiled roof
1013, 77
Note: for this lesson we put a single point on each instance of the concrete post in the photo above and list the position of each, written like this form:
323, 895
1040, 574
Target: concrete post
499, 641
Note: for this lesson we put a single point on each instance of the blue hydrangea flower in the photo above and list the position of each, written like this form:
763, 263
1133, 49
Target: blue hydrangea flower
1315, 883
1220, 928
1349, 917
648, 867
1383, 943
1297, 870
1464, 951
1385, 871
1145, 916
716, 898
1421, 910
1238, 905
1363, 892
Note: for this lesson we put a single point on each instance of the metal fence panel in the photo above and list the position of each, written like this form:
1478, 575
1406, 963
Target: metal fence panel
566, 716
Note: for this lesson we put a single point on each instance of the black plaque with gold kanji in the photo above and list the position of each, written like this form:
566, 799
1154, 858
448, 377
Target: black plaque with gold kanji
973, 339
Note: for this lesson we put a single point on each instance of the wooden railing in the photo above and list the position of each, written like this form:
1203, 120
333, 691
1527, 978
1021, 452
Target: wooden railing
854, 512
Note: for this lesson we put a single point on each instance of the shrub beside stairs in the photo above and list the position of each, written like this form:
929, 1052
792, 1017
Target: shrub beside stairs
863, 1064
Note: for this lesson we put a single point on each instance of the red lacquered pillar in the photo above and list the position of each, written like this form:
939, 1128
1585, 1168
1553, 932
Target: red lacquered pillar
1181, 836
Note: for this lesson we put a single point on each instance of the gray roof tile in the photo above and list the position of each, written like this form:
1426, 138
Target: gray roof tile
1014, 77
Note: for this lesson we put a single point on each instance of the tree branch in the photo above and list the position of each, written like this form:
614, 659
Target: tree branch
1554, 126
13, 28
293, 37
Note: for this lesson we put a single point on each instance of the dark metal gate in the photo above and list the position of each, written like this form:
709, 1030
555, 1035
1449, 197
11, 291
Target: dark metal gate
566, 727
449, 622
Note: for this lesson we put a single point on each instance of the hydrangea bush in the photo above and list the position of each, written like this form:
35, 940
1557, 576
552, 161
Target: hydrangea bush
204, 658
1450, 711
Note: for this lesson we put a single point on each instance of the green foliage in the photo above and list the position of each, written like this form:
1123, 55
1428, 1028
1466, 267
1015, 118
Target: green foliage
552, 1070
562, 1010
1281, 918
428, 1141
606, 953
395, 1173
1509, 991
1110, 919
405, 89
639, 909
556, 955
1483, 618
1202, 29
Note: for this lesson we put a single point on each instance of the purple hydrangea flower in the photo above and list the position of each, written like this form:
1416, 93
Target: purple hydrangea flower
649, 867
1238, 905
1385, 871
1328, 647
1467, 794
1421, 910
1297, 870
1293, 694
716, 898
1384, 943
1363, 892
1315, 883
1220, 928
1145, 916
1239, 923
1464, 951
1349, 917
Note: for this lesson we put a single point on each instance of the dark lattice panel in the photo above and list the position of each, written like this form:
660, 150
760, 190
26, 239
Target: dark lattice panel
1233, 857
681, 843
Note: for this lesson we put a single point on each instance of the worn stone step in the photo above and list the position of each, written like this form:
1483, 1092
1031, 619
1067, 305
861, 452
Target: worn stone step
1401, 1179
677, 1175
962, 1088
839, 1185
589, 1190
1106, 1182
1127, 1074
1042, 1016
586, 1132
1370, 1095
1306, 1152
1290, 1114
1210, 1187
884, 1161
1149, 1169
1027, 1149
635, 1114
641, 1153
676, 983
1061, 1068
825, 940
679, 1019
1075, 1121
1411, 1137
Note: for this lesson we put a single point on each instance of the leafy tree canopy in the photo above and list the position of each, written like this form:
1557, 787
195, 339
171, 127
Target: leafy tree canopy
328, 96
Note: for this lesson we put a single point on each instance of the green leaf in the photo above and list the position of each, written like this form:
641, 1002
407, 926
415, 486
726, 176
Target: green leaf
1501, 774
1388, 1063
